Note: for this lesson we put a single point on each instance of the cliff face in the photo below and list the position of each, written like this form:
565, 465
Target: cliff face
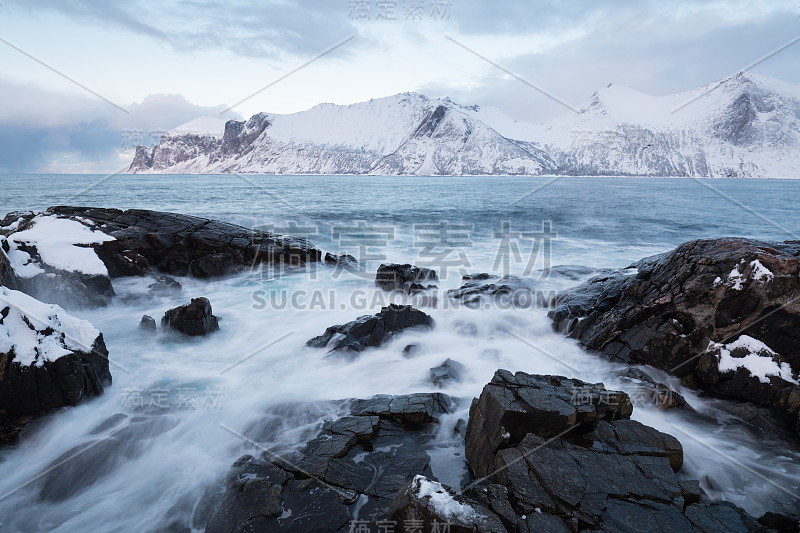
743, 126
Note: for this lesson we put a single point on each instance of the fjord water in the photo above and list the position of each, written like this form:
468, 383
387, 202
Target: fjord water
196, 405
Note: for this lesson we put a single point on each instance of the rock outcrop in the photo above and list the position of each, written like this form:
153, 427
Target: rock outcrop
194, 319
48, 359
348, 474
674, 311
52, 260
186, 245
369, 331
551, 454
405, 278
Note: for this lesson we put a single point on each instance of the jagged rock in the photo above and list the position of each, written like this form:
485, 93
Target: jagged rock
345, 261
506, 291
649, 391
193, 319
672, 311
406, 278
447, 372
605, 473
354, 467
164, 286
371, 330
185, 245
512, 406
147, 323
48, 359
431, 506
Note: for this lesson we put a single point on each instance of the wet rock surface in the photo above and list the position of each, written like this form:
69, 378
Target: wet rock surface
370, 470
348, 474
448, 372
671, 310
605, 472
369, 331
186, 245
406, 278
194, 319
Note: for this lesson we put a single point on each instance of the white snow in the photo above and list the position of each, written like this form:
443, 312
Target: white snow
441, 500
55, 240
760, 366
760, 272
618, 131
22, 330
736, 279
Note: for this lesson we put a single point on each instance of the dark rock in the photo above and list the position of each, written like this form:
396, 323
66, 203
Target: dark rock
7, 277
353, 468
505, 292
432, 506
32, 390
371, 330
344, 261
406, 278
606, 473
147, 323
512, 406
447, 372
667, 309
183, 245
164, 286
411, 350
193, 319
779, 522
420, 408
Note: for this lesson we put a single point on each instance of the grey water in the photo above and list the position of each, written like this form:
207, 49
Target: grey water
191, 408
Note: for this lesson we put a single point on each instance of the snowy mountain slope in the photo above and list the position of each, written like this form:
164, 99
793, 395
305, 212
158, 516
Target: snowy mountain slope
742, 126
402, 134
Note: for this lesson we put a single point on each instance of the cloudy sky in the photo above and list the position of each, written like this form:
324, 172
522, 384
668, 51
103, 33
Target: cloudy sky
82, 81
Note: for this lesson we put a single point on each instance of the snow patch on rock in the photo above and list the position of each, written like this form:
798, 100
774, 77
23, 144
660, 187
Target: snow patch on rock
442, 501
61, 243
759, 361
38, 332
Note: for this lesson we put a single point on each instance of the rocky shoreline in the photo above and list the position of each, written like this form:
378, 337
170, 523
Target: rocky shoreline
544, 453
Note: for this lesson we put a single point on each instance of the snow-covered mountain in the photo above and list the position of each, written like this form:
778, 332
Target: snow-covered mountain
742, 126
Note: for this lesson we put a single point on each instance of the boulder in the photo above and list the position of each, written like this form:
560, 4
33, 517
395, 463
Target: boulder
50, 258
605, 472
369, 331
513, 405
164, 286
448, 372
349, 474
406, 278
344, 261
48, 359
193, 319
147, 324
674, 310
185, 245
505, 292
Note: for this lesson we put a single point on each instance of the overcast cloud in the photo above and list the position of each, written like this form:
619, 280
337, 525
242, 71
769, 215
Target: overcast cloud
168, 62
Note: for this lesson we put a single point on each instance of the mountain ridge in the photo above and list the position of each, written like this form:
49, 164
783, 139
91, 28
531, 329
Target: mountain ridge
742, 126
